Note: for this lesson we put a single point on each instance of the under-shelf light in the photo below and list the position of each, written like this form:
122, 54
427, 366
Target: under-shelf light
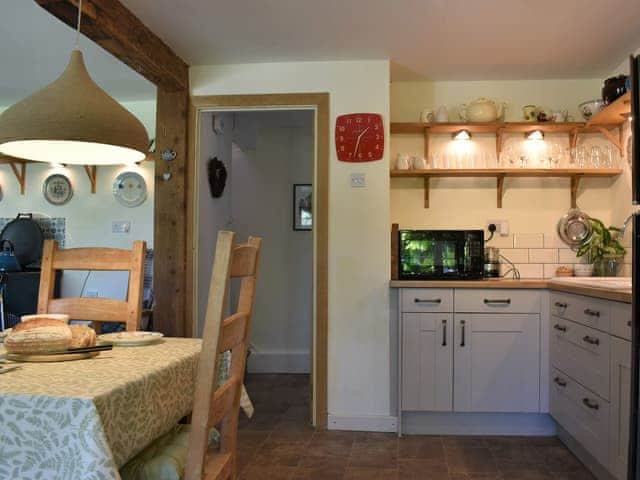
462, 135
535, 135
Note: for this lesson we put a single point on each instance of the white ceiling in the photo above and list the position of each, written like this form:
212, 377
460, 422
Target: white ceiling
434, 39
35, 48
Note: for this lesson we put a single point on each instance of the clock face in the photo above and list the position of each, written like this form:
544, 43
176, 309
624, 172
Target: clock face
359, 137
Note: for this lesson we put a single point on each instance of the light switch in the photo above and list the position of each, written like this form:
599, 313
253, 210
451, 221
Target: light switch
358, 180
120, 227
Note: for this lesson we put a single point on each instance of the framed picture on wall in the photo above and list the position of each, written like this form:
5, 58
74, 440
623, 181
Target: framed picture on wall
302, 206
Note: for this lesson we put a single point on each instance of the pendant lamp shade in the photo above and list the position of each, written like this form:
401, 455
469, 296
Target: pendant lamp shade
72, 121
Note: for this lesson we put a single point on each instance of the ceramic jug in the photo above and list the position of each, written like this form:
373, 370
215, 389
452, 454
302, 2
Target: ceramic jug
442, 115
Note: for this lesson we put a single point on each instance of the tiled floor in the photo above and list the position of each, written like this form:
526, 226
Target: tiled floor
278, 444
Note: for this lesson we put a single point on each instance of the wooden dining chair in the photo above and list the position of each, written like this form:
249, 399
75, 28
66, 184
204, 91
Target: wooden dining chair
97, 310
217, 406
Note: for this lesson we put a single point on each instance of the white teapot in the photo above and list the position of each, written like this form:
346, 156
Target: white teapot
482, 110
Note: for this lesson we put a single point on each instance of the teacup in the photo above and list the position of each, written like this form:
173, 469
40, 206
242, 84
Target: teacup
403, 161
530, 113
427, 116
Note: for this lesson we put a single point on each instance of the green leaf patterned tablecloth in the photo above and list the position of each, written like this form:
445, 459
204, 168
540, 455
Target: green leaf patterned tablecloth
84, 419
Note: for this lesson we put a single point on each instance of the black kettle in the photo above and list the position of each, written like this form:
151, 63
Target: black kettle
8, 260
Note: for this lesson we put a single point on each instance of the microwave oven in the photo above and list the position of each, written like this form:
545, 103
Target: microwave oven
440, 254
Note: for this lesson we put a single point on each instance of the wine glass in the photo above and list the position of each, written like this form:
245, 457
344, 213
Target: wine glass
596, 156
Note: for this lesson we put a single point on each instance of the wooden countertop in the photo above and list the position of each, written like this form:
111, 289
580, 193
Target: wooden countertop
615, 294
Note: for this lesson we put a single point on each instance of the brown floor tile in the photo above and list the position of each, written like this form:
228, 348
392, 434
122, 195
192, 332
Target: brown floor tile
374, 454
471, 460
544, 442
416, 469
321, 468
524, 472
357, 473
271, 472
419, 446
331, 444
464, 441
284, 454
557, 459
582, 474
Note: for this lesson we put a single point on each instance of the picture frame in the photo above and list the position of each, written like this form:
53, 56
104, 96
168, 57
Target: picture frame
302, 207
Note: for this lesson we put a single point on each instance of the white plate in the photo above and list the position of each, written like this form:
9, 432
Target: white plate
130, 339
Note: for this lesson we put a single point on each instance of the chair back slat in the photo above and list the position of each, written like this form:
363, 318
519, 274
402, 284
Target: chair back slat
127, 311
98, 309
219, 405
223, 400
234, 331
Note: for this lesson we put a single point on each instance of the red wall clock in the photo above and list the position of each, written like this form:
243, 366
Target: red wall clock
359, 137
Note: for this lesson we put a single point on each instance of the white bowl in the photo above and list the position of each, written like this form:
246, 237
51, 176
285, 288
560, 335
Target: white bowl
581, 270
53, 316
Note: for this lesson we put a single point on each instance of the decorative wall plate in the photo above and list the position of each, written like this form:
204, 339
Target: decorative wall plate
130, 189
57, 189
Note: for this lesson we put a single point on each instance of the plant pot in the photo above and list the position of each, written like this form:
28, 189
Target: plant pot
583, 270
607, 266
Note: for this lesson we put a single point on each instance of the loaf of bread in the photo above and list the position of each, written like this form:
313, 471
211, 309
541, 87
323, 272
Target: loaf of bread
37, 336
82, 336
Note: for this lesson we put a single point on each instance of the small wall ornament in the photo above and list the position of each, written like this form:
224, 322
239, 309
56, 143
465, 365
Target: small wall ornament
57, 189
130, 189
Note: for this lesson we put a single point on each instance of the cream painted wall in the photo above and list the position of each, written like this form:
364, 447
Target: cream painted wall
88, 216
359, 339
408, 99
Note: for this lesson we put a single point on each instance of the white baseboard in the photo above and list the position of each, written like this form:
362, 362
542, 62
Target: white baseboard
279, 361
370, 423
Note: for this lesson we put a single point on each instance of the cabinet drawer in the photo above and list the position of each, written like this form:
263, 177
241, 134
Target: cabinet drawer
491, 300
581, 352
593, 312
580, 412
427, 300
621, 320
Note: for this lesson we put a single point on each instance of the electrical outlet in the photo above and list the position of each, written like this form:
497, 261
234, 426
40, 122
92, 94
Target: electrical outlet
91, 293
358, 180
502, 226
120, 227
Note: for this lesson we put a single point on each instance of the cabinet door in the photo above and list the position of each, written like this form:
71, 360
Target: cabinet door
620, 410
497, 363
427, 361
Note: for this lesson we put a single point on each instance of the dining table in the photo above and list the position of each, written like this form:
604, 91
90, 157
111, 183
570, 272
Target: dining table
85, 419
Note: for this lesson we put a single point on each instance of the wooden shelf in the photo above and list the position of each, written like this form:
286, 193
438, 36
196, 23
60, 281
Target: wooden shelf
614, 114
575, 174
573, 129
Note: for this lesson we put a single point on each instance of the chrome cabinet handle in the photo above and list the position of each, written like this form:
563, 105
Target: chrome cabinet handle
591, 340
591, 313
426, 300
462, 325
444, 333
561, 328
561, 305
560, 382
590, 403
505, 301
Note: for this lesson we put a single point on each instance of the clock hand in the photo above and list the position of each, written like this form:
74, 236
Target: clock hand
355, 151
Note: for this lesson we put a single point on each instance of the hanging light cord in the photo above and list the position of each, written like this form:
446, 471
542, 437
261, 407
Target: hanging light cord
77, 42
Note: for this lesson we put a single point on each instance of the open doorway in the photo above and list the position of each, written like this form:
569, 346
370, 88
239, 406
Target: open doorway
270, 155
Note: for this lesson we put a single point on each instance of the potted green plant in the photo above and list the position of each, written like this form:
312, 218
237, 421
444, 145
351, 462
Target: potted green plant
604, 250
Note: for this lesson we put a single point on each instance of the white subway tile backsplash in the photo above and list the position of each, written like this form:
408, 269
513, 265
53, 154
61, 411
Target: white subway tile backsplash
543, 255
551, 240
500, 241
530, 270
550, 269
566, 255
516, 255
528, 240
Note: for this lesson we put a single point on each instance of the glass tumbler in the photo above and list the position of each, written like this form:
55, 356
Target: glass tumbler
596, 156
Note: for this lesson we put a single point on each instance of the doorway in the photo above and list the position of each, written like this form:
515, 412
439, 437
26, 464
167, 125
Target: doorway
264, 142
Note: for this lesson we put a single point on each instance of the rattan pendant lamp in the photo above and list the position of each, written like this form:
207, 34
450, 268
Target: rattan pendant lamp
73, 121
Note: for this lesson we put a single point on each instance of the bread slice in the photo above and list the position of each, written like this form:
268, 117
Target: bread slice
37, 336
82, 336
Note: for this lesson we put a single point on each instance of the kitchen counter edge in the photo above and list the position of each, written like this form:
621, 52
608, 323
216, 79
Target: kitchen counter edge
615, 295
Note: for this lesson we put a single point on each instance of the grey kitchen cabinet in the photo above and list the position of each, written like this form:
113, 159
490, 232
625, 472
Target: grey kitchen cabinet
620, 407
497, 363
427, 362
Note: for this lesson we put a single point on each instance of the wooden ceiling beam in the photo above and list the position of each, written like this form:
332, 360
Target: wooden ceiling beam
112, 26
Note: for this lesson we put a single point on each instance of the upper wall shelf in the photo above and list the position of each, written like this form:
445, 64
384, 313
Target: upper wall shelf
614, 114
575, 174
500, 128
